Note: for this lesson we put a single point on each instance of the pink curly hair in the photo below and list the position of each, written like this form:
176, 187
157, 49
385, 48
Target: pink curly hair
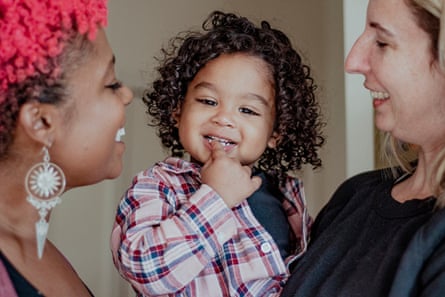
33, 32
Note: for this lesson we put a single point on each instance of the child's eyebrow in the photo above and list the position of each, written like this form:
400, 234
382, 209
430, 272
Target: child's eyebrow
258, 98
205, 85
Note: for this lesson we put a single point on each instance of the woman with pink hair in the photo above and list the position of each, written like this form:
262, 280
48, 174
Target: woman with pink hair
62, 116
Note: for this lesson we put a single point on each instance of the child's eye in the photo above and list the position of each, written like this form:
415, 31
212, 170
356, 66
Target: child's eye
207, 101
114, 86
248, 111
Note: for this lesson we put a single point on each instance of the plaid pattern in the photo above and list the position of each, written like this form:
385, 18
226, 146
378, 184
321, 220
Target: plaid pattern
174, 236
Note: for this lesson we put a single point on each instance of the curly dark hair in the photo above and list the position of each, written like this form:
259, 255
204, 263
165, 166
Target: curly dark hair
31, 48
298, 114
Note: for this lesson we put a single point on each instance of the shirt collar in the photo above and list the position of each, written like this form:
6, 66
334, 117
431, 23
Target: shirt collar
180, 166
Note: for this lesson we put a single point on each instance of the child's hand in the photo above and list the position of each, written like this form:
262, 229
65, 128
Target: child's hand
231, 180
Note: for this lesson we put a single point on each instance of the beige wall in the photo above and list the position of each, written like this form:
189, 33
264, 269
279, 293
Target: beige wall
137, 29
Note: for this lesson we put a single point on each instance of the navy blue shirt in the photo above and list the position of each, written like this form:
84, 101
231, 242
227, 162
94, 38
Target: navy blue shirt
267, 208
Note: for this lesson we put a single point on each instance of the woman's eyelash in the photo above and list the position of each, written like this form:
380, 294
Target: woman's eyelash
115, 86
381, 44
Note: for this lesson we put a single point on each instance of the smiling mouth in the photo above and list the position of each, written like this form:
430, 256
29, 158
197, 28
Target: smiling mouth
223, 141
119, 134
379, 95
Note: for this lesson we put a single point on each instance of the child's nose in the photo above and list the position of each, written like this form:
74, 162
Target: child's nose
224, 118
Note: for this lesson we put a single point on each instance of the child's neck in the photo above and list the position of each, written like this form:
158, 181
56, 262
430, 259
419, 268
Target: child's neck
193, 160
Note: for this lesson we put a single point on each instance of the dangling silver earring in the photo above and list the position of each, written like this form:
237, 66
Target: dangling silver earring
44, 183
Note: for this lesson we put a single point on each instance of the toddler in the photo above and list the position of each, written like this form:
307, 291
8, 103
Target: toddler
227, 220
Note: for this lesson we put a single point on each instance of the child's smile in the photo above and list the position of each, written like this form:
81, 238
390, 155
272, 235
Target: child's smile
227, 144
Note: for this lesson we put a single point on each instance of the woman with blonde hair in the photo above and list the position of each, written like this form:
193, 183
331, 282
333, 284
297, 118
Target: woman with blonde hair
383, 232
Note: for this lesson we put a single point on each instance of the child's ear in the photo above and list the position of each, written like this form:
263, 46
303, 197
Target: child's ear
273, 140
176, 115
38, 121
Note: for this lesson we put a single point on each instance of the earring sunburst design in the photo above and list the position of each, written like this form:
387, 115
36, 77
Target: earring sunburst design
44, 183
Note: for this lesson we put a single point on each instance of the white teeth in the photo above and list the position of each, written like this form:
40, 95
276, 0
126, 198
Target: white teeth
379, 95
119, 134
224, 142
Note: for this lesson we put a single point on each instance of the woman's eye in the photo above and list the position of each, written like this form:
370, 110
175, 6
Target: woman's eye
207, 102
381, 44
114, 86
248, 111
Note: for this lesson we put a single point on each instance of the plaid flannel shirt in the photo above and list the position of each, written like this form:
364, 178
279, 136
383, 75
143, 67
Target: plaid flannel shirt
174, 236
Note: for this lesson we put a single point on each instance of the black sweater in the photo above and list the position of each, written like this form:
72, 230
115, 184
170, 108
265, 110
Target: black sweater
357, 240
422, 268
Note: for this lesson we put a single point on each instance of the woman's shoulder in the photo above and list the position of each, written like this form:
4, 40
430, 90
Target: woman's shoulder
422, 267
360, 182
351, 192
370, 177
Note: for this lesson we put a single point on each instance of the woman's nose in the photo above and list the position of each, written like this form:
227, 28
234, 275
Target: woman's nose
357, 60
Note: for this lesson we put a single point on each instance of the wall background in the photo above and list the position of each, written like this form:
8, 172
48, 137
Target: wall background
322, 30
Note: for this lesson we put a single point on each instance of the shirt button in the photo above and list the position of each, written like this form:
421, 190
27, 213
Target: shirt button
220, 236
266, 247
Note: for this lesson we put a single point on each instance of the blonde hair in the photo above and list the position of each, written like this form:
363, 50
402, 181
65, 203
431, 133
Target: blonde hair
435, 7
439, 180
396, 153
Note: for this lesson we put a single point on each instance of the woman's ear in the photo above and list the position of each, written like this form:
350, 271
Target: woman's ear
38, 121
273, 140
